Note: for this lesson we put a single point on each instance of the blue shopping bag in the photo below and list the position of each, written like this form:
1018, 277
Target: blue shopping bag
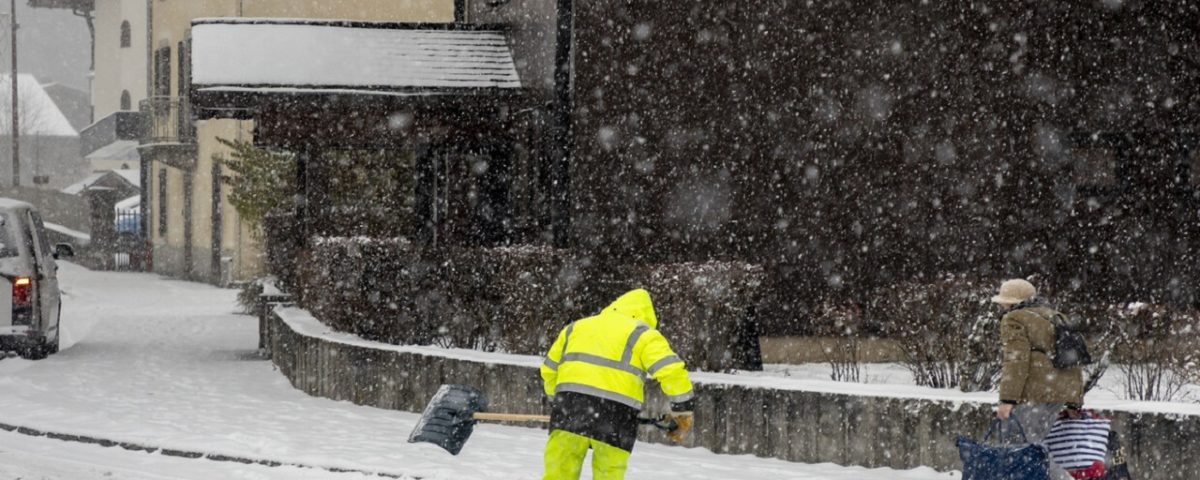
1003, 460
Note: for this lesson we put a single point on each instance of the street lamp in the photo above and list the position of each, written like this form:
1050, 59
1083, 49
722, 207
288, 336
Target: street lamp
16, 125
16, 144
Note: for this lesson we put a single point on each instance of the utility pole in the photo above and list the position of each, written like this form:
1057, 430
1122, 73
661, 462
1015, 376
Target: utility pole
16, 127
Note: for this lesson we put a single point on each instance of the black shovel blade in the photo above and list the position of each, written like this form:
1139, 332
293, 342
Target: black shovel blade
449, 419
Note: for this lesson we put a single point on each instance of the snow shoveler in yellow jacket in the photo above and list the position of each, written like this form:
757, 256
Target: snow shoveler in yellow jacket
596, 370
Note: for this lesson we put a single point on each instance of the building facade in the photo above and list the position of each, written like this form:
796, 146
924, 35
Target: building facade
120, 75
193, 230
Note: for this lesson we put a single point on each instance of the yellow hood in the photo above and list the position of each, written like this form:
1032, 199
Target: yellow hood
636, 304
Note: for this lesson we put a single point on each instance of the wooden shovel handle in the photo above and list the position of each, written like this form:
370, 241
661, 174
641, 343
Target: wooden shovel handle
511, 417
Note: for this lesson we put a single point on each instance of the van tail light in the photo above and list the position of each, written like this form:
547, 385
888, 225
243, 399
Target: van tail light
22, 301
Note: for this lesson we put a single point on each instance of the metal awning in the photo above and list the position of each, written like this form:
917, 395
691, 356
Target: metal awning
251, 58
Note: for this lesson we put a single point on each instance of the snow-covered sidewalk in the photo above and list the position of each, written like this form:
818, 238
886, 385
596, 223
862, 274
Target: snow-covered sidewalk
168, 363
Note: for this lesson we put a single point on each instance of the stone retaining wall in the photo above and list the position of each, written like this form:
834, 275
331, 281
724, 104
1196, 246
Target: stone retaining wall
794, 425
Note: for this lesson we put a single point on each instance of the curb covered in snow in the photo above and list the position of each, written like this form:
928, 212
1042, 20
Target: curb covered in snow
149, 449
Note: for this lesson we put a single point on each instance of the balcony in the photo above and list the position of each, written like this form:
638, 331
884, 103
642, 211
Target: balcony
169, 131
168, 120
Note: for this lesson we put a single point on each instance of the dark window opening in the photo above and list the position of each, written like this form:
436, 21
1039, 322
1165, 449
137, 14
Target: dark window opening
181, 85
162, 203
126, 35
126, 102
162, 72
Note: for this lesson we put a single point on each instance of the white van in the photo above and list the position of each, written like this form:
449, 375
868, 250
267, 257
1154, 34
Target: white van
29, 296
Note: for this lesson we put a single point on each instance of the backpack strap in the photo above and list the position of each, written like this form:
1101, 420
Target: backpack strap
1052, 324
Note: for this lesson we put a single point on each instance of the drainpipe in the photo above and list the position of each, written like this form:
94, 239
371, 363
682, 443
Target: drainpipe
144, 164
560, 162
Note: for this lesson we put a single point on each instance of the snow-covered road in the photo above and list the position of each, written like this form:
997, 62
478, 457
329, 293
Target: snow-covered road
168, 363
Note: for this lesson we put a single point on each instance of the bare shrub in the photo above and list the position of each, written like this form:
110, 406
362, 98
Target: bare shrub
842, 324
981, 368
1155, 347
934, 323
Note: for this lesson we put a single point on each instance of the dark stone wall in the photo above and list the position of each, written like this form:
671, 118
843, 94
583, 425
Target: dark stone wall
851, 145
794, 425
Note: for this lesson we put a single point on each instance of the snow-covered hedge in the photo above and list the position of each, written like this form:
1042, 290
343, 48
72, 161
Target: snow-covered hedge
701, 302
516, 299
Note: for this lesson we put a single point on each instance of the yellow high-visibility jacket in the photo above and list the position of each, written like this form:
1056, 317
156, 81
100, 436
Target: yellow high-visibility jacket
609, 355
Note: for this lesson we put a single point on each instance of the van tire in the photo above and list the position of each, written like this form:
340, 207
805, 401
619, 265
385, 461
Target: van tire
34, 352
51, 346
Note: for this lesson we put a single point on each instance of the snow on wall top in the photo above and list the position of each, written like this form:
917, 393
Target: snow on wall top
303, 323
39, 114
283, 53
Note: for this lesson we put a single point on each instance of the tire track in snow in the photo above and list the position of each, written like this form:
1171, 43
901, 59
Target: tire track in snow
149, 449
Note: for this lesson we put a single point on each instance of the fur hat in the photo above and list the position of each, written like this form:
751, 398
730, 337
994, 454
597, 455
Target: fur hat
1014, 291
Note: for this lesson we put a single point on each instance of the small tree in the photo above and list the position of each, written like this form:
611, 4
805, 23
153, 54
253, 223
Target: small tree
260, 181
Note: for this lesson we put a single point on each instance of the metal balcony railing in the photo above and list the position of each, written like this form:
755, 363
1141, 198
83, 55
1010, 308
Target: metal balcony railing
168, 120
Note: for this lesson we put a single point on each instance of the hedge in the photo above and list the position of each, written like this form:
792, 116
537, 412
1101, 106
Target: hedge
516, 299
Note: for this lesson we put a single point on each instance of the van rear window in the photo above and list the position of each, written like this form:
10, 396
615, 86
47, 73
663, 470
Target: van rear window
8, 247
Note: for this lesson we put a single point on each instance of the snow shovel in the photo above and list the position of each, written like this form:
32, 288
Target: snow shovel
450, 418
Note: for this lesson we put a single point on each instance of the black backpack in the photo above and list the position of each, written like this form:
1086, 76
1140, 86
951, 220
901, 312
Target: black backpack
1070, 349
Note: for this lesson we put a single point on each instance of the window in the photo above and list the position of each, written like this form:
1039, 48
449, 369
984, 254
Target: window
126, 102
162, 72
39, 231
8, 247
126, 34
181, 85
162, 202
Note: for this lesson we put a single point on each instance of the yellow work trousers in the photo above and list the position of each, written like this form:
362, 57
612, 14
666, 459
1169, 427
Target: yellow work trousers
565, 452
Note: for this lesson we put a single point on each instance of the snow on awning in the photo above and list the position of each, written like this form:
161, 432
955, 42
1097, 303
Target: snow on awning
297, 56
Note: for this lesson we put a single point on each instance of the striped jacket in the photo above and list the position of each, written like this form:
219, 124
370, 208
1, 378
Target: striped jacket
1079, 445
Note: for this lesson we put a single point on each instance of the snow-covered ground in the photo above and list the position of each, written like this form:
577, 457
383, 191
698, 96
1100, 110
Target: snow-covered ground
168, 363
890, 379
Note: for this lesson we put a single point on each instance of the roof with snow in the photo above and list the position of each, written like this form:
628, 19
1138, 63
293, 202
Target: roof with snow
11, 203
120, 150
338, 57
132, 177
131, 203
40, 115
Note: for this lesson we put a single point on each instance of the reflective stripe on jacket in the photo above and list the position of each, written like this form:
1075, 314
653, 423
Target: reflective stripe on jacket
609, 355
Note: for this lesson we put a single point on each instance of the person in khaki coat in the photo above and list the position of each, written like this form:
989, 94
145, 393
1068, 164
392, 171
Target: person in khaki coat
1031, 389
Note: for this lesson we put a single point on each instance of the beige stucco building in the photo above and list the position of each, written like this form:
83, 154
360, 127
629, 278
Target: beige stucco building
193, 229
119, 79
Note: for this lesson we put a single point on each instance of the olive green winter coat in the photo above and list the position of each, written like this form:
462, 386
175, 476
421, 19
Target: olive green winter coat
1028, 375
